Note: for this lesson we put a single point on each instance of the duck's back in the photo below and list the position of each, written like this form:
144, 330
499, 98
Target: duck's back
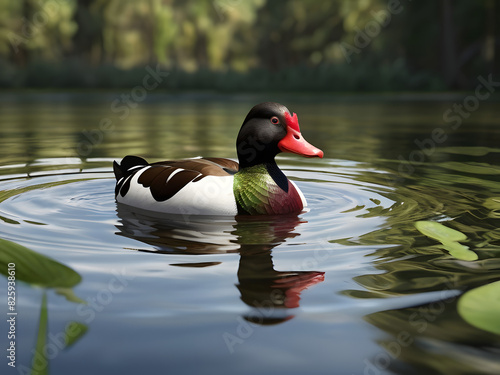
199, 186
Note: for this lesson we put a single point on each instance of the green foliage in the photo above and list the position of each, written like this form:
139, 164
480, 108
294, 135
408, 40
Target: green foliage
41, 341
480, 307
74, 331
236, 45
39, 270
36, 269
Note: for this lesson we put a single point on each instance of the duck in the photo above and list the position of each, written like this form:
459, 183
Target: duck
254, 185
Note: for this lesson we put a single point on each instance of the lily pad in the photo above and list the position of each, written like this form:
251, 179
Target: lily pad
459, 251
449, 239
439, 232
480, 307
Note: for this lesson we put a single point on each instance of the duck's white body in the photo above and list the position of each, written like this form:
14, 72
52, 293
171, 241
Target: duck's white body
212, 195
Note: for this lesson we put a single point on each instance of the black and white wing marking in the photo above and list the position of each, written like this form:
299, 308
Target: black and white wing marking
166, 178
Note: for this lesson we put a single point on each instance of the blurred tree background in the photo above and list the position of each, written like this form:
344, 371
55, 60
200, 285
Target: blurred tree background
248, 45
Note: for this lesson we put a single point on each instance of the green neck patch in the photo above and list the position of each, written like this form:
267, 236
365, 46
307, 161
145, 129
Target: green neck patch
251, 188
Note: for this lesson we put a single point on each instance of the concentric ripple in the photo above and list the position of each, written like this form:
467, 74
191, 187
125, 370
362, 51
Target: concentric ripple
73, 206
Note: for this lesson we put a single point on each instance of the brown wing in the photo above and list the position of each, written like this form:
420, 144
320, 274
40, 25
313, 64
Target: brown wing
230, 166
194, 170
206, 166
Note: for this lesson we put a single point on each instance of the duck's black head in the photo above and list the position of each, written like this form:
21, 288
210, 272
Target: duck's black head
268, 129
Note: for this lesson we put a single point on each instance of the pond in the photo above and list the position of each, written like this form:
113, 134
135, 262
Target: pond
393, 267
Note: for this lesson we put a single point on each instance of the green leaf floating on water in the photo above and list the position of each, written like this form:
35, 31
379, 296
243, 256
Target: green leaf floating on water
439, 232
480, 307
448, 237
460, 251
34, 268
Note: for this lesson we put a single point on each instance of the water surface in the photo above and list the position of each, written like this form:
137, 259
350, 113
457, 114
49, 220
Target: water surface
348, 287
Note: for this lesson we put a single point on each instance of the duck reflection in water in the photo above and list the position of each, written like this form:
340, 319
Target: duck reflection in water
253, 237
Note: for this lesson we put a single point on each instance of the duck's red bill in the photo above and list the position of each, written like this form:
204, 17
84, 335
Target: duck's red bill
294, 142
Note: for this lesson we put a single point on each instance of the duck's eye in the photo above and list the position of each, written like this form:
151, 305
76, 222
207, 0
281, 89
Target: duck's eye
275, 120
